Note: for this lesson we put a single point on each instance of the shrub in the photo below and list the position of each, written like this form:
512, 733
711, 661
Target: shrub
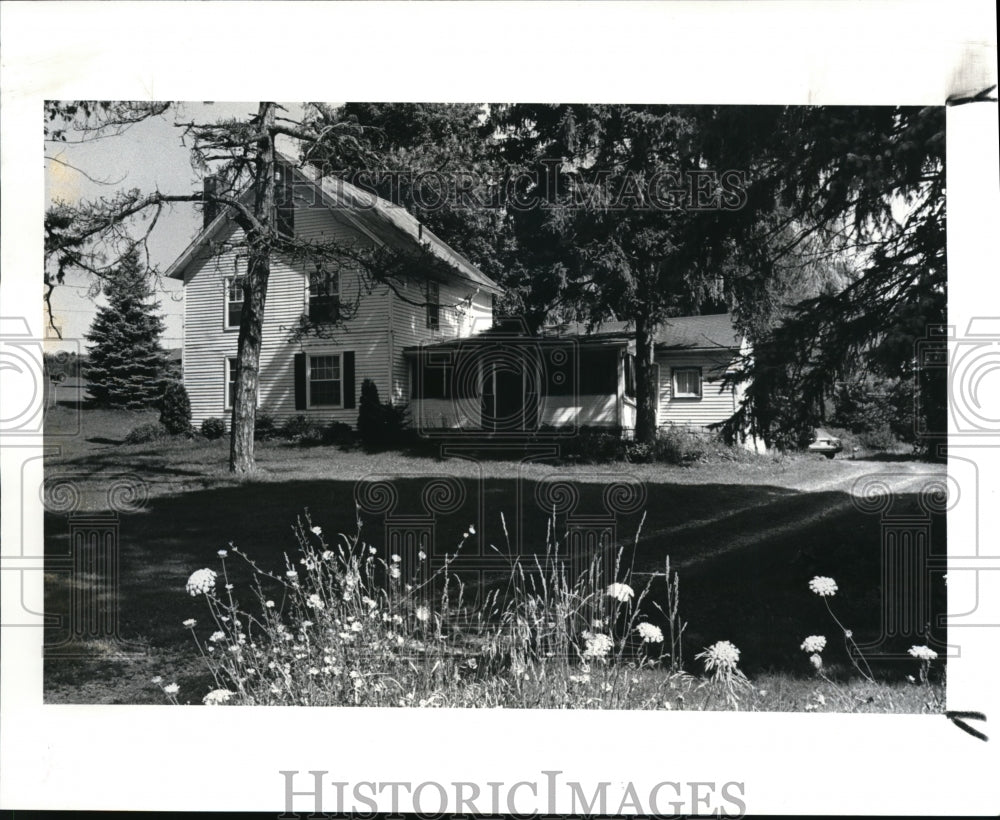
881, 438
151, 431
265, 428
339, 433
371, 418
678, 445
303, 430
213, 428
175, 408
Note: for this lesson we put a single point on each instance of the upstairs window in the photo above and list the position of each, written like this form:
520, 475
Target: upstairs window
234, 300
324, 295
433, 305
687, 382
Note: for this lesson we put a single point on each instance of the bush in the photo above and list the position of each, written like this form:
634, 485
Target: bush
380, 426
678, 445
175, 408
339, 433
151, 431
213, 428
265, 428
302, 430
882, 438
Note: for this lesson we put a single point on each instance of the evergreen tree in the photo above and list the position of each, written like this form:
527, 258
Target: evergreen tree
127, 364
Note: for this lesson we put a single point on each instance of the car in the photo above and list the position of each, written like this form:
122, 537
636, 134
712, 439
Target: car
824, 443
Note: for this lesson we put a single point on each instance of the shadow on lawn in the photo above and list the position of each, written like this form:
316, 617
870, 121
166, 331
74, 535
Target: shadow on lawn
745, 554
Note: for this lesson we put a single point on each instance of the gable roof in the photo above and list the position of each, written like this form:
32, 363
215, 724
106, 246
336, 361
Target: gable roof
677, 333
377, 218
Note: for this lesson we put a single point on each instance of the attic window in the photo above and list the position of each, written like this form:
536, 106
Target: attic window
324, 295
433, 305
687, 382
234, 301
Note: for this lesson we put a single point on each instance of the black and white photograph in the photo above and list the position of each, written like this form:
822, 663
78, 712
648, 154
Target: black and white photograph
662, 415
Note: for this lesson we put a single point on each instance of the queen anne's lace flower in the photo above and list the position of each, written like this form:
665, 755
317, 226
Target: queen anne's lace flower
721, 655
171, 689
823, 586
814, 643
649, 633
216, 697
621, 592
422, 613
924, 653
217, 636
201, 581
315, 601
190, 623
598, 645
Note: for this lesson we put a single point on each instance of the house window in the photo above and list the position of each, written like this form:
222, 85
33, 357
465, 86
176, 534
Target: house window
433, 305
284, 201
687, 382
630, 375
234, 300
324, 295
324, 380
230, 382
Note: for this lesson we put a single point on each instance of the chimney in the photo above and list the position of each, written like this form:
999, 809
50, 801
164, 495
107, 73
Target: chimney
210, 209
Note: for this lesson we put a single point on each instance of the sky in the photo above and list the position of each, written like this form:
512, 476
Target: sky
149, 156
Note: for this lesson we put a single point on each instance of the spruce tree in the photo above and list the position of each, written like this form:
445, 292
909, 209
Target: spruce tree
127, 365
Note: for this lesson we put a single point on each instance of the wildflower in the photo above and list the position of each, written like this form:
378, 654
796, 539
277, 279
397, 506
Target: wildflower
924, 653
217, 696
313, 670
722, 655
394, 571
816, 660
422, 555
317, 530
465, 534
222, 553
292, 574
372, 550
472, 529
422, 613
157, 680
306, 624
823, 586
848, 633
217, 636
395, 558
201, 581
598, 645
620, 592
368, 602
315, 601
397, 619
649, 633
327, 555
911, 679
814, 643
356, 626
190, 623
171, 689
229, 587
269, 604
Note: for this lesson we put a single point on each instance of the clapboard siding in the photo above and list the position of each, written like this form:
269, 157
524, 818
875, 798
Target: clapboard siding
208, 343
716, 403
464, 311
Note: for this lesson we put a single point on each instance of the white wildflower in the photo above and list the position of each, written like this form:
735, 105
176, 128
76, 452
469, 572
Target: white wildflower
315, 602
422, 613
222, 553
190, 623
649, 633
317, 530
816, 660
823, 586
171, 689
394, 571
201, 581
217, 696
620, 592
924, 653
269, 604
814, 643
327, 555
721, 655
598, 645
472, 529
217, 636
395, 558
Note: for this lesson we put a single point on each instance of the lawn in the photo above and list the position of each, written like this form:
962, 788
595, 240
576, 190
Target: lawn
745, 538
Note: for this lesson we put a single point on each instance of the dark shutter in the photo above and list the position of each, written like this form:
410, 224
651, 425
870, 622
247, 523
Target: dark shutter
348, 377
300, 381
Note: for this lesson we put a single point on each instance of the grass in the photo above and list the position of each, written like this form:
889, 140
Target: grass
745, 536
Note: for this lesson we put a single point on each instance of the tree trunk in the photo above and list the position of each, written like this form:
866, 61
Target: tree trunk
241, 450
646, 387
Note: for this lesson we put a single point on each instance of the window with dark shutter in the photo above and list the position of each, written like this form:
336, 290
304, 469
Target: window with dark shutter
324, 381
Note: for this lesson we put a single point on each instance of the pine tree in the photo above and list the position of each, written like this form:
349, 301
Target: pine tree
127, 364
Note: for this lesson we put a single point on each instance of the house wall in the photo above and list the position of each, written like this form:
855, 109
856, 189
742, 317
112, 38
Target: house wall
716, 403
464, 311
208, 343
